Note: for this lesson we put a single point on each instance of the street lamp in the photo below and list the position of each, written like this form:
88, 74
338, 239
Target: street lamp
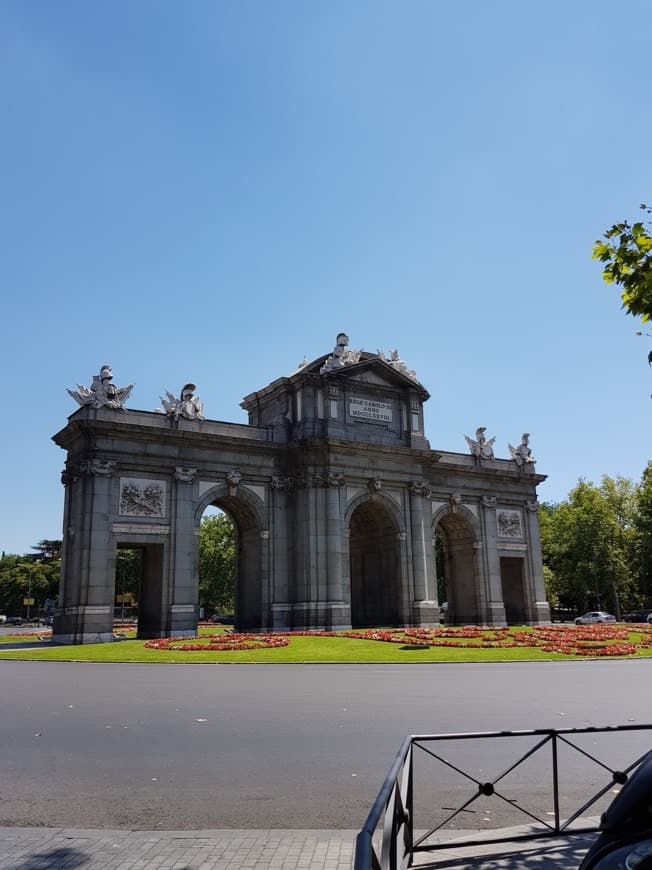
592, 567
29, 586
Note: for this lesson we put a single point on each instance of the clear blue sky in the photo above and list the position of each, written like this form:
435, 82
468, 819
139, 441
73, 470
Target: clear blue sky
207, 191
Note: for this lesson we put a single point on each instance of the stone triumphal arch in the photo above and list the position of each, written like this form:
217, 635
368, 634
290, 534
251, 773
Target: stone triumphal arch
335, 493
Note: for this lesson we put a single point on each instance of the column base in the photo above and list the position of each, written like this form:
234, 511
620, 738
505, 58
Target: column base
496, 614
425, 614
324, 616
540, 613
83, 637
92, 623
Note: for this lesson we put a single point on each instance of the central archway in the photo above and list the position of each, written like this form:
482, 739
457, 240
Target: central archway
374, 564
249, 557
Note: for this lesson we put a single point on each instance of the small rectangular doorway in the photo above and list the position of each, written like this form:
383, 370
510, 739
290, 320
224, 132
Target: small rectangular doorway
511, 573
139, 587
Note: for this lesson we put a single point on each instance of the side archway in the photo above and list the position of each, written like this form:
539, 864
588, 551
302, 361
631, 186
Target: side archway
374, 563
455, 534
250, 552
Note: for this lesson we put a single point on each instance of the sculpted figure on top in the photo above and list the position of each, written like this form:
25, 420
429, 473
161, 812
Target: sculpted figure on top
188, 406
341, 356
522, 455
395, 361
102, 393
481, 448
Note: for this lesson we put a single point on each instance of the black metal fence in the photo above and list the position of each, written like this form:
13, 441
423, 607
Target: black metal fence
411, 814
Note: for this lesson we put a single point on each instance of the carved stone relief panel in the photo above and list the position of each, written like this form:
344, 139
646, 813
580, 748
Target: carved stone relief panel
509, 523
142, 498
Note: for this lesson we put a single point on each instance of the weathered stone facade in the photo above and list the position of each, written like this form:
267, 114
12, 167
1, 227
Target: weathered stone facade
336, 497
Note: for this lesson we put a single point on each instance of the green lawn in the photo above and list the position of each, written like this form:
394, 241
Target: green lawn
300, 649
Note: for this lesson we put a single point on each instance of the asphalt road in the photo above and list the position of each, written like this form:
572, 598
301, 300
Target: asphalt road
292, 746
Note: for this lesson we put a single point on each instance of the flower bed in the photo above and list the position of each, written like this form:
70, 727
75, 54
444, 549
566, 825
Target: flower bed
21, 635
586, 640
221, 642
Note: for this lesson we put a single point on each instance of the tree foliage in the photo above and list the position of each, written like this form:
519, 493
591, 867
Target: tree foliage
643, 534
589, 543
216, 564
128, 572
20, 574
626, 251
47, 550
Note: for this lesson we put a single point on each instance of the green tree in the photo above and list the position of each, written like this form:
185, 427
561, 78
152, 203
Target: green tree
643, 536
128, 572
588, 543
626, 251
217, 564
20, 574
47, 550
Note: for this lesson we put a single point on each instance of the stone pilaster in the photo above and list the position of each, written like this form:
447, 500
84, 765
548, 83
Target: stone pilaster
495, 612
537, 606
424, 607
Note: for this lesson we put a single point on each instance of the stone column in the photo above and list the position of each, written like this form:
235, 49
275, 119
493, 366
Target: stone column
180, 595
495, 607
334, 542
536, 602
281, 605
85, 612
305, 559
424, 609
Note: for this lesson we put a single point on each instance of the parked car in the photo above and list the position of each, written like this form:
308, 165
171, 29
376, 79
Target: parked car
14, 620
638, 616
3, 618
595, 616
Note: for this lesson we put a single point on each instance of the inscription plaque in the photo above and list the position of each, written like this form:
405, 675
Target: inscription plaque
370, 409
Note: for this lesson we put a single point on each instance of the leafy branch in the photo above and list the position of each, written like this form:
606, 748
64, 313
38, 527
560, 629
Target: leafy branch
626, 249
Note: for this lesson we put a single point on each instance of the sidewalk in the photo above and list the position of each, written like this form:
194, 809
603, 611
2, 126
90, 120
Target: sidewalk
68, 849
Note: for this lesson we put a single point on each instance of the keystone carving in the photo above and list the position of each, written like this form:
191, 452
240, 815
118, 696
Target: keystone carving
233, 479
456, 501
375, 485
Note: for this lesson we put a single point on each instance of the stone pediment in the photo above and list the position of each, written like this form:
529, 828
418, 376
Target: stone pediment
370, 369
